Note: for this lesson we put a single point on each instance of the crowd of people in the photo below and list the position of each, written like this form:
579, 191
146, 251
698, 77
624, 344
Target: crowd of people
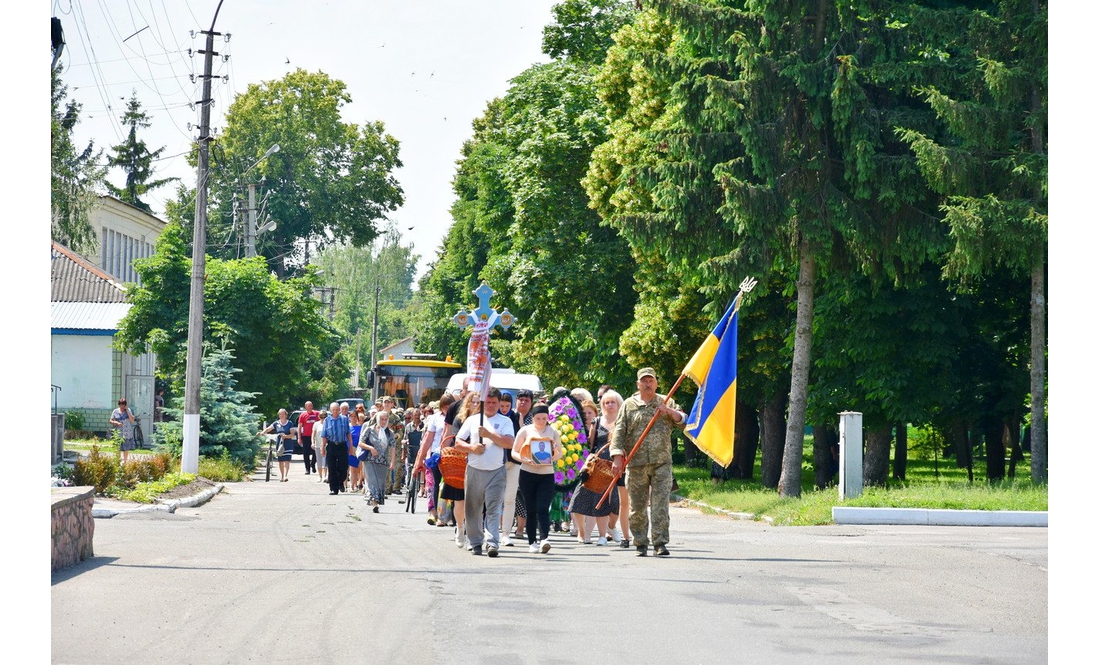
508, 492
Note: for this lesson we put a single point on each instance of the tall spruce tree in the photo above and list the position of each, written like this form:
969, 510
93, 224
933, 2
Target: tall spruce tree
135, 159
987, 156
228, 423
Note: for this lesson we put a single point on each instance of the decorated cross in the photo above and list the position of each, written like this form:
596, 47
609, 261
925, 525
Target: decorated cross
484, 318
483, 313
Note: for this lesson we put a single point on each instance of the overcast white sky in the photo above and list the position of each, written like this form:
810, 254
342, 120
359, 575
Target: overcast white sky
426, 68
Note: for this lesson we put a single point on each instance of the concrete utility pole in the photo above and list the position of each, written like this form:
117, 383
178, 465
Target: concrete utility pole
250, 224
189, 463
374, 338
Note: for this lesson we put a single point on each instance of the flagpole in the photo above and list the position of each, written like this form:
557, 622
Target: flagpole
634, 450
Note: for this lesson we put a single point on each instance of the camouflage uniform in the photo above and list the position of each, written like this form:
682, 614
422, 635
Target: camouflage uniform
649, 475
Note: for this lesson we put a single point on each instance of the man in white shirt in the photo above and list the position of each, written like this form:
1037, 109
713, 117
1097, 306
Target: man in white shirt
484, 439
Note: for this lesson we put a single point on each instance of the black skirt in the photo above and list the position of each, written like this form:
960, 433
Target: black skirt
585, 500
449, 493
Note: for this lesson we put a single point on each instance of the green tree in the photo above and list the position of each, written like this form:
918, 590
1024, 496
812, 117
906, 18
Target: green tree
135, 159
581, 29
353, 273
227, 422
290, 344
330, 182
987, 156
522, 223
75, 173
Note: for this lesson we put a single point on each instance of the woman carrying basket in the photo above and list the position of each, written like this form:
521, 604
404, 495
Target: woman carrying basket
594, 480
537, 447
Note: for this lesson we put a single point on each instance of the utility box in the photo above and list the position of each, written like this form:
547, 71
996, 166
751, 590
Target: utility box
851, 454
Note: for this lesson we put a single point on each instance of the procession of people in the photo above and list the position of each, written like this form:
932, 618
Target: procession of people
494, 471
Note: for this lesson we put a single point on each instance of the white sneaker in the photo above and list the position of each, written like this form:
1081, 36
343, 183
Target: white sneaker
507, 542
545, 547
459, 540
533, 548
469, 547
613, 535
602, 541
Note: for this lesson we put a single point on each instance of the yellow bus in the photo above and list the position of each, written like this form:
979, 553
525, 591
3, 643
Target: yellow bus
415, 378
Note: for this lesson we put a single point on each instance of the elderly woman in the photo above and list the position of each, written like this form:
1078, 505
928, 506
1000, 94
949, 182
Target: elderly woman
611, 402
287, 432
377, 441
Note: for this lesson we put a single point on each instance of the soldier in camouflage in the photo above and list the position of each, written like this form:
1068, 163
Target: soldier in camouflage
649, 475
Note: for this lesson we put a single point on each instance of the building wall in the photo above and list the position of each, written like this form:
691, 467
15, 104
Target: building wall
83, 366
125, 233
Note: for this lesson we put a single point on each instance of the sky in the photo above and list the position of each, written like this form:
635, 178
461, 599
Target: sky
425, 68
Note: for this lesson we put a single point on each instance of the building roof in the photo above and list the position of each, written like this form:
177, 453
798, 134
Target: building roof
87, 316
407, 340
75, 280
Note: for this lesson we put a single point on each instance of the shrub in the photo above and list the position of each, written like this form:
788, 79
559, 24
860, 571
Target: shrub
74, 420
222, 469
144, 470
98, 470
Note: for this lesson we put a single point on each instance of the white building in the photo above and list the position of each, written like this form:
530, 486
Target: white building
87, 302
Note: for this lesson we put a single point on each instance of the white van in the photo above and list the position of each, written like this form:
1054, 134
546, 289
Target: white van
507, 380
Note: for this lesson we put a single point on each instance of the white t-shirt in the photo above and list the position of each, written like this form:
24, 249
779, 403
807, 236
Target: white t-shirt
436, 424
492, 458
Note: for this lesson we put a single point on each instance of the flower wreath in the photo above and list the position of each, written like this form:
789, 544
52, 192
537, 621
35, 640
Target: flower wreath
565, 417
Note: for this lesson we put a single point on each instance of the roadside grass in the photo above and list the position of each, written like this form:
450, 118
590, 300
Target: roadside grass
929, 484
147, 492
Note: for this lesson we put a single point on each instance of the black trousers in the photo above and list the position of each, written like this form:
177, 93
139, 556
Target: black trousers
537, 490
309, 455
337, 462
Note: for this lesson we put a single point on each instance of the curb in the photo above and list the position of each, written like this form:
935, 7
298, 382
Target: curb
168, 505
197, 500
939, 517
722, 511
904, 516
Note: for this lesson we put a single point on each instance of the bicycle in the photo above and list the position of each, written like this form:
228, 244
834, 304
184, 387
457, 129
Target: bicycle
270, 455
413, 487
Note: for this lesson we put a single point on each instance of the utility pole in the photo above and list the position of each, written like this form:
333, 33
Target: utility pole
250, 225
189, 462
374, 340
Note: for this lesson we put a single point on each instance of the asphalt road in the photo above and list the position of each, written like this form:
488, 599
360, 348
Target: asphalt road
285, 573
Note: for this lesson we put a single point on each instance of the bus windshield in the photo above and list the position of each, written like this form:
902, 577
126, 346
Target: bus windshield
412, 382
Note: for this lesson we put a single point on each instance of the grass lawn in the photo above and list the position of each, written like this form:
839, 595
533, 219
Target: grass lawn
927, 485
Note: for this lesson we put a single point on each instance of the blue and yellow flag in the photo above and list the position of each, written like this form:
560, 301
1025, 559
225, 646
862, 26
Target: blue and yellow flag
714, 369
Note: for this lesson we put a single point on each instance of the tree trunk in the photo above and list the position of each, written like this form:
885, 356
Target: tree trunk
964, 455
901, 451
876, 456
1012, 442
826, 455
994, 433
1038, 374
790, 482
771, 435
746, 441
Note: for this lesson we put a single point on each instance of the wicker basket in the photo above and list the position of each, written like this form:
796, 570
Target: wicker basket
452, 465
599, 473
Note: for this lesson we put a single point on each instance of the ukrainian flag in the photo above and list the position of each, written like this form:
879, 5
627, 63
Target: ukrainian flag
714, 369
